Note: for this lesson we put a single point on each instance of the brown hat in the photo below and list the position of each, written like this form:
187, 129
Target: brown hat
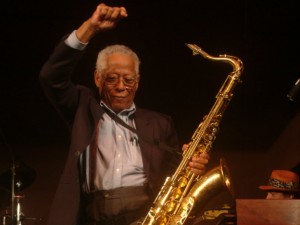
282, 180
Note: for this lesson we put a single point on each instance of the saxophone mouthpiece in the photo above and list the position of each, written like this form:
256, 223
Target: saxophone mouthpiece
196, 49
293, 94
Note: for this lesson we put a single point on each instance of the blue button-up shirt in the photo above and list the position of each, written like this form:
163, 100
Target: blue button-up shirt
119, 159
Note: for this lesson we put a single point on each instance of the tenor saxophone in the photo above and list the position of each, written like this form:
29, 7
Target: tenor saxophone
185, 191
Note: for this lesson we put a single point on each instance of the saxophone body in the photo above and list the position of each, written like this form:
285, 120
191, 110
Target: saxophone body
185, 191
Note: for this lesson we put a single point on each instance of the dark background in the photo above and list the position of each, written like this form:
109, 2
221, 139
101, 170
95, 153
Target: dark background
260, 129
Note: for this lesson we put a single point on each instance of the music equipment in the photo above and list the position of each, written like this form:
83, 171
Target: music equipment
185, 191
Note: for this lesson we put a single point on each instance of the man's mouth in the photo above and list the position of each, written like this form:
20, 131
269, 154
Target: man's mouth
119, 98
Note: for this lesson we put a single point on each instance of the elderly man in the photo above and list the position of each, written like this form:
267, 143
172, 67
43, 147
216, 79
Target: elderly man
119, 153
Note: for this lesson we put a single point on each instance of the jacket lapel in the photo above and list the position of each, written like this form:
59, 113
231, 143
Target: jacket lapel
142, 125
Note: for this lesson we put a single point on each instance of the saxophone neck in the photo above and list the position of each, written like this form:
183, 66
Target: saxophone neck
235, 62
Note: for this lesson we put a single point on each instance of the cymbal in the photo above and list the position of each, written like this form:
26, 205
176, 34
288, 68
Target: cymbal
5, 197
24, 176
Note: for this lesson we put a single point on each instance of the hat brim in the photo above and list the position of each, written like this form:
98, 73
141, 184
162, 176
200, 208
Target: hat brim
272, 188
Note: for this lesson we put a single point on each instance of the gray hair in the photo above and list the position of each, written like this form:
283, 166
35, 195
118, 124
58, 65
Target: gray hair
111, 49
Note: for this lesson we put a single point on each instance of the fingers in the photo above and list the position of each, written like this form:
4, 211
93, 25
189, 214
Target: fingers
103, 18
111, 13
184, 146
198, 163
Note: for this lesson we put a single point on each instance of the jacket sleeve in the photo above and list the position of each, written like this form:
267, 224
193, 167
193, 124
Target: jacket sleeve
55, 79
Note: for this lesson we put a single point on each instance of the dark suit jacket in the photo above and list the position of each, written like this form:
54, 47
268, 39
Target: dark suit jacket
82, 111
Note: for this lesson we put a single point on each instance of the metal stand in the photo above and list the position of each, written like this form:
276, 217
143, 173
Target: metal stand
15, 180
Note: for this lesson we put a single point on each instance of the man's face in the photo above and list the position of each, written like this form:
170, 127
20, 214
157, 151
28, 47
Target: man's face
118, 83
278, 195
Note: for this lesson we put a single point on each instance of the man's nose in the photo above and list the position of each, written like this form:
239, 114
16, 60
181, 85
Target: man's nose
120, 84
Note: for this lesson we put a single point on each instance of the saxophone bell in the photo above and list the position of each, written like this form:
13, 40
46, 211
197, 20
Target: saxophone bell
214, 182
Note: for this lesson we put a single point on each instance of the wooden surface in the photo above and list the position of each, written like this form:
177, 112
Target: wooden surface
268, 212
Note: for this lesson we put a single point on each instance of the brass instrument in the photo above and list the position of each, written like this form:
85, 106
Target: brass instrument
184, 190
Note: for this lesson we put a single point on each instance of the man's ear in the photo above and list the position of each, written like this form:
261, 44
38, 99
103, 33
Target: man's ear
137, 83
97, 78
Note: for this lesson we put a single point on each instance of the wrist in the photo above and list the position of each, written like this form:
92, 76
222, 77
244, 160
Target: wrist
85, 32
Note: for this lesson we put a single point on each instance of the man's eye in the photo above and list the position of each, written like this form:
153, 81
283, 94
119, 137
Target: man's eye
111, 79
129, 80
